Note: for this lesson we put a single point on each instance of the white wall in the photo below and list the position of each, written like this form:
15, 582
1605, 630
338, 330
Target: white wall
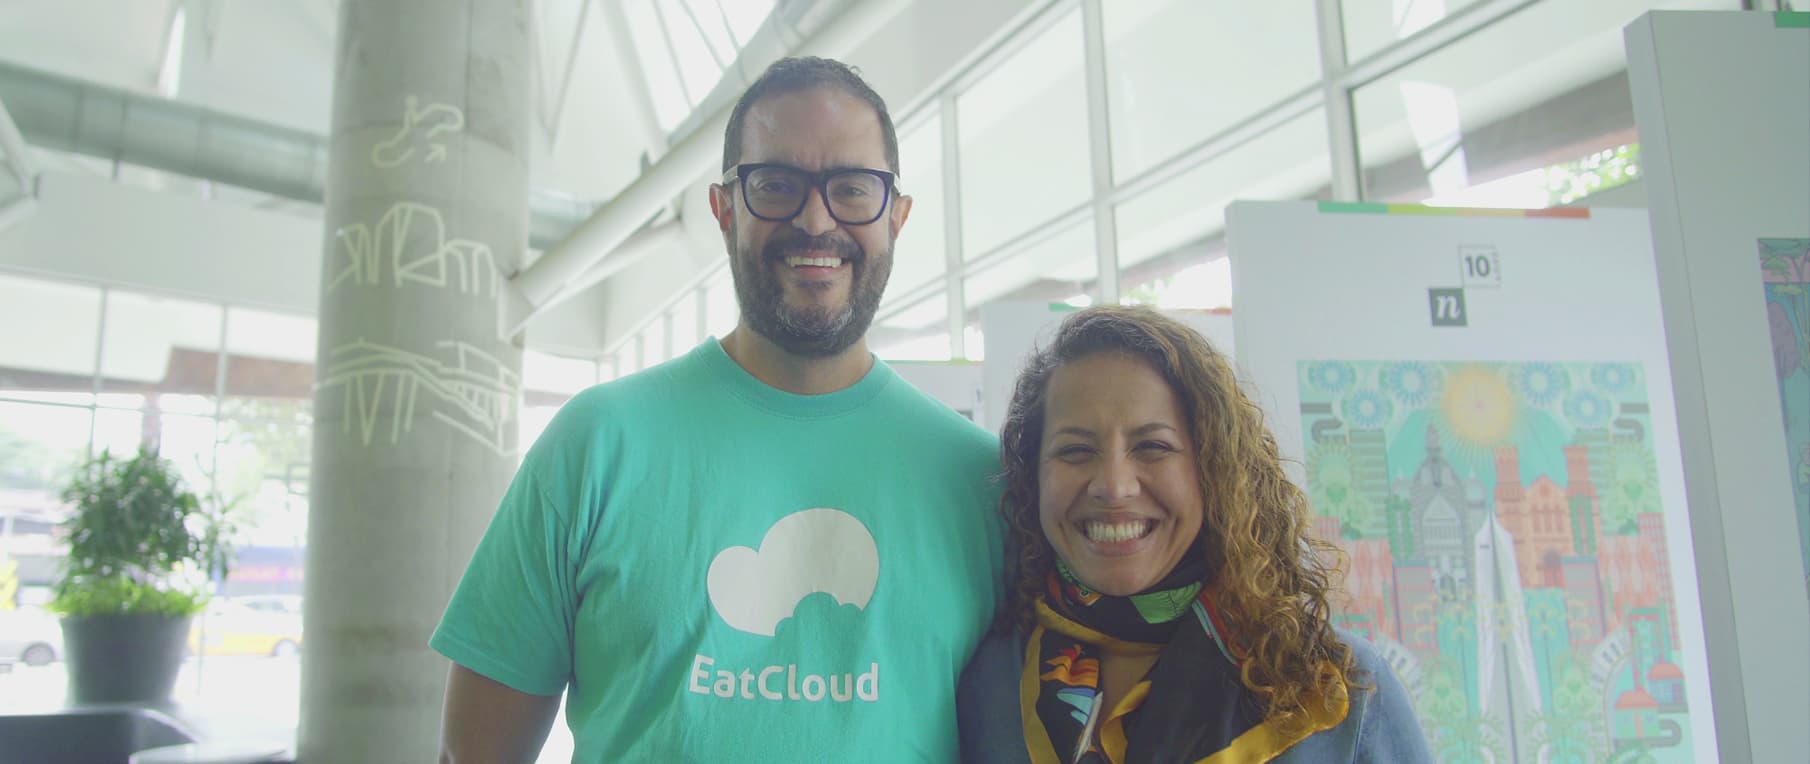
1723, 111
94, 230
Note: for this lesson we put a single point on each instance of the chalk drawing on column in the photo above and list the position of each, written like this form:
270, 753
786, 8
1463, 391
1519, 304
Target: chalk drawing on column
419, 127
470, 391
411, 239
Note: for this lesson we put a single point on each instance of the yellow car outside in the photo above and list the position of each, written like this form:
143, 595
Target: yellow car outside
248, 626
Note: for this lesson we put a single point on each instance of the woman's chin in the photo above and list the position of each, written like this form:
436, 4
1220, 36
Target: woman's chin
1117, 583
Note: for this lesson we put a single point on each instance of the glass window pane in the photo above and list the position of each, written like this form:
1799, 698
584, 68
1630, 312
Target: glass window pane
161, 345
628, 357
265, 449
72, 399
1058, 270
655, 342
120, 431
532, 421
745, 16
188, 442
1024, 151
685, 323
41, 446
56, 356
974, 342
1544, 85
670, 106
721, 312
262, 334
1156, 51
547, 373
1371, 25
696, 64
1201, 286
919, 255
269, 369
709, 20
1289, 162
932, 346
917, 333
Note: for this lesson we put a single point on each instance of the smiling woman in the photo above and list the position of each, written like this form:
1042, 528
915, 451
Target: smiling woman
1170, 603
1116, 490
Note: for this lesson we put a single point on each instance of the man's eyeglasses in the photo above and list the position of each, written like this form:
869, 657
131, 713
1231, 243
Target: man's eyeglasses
778, 192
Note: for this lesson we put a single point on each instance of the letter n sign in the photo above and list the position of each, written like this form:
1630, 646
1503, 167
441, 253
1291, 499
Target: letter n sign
1447, 306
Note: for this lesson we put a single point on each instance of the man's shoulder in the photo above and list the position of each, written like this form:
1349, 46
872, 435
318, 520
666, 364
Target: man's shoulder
912, 407
932, 422
676, 380
623, 404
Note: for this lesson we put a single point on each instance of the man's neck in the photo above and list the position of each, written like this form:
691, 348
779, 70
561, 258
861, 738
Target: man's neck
799, 375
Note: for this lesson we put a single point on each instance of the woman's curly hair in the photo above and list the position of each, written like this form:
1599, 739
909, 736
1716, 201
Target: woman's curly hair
1271, 579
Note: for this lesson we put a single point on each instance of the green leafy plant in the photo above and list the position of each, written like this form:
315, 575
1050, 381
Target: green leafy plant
136, 533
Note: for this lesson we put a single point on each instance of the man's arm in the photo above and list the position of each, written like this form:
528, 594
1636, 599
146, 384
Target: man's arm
488, 722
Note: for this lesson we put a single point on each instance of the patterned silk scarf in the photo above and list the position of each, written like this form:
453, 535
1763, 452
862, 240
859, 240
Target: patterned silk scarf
1192, 706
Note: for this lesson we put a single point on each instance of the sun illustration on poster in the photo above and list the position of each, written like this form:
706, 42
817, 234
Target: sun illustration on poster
1479, 406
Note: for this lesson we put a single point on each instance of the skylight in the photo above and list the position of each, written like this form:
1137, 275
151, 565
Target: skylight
684, 46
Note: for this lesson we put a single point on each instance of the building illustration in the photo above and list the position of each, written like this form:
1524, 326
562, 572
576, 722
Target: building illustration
1516, 556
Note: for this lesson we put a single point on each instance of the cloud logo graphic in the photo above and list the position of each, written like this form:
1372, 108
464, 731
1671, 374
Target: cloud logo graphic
815, 550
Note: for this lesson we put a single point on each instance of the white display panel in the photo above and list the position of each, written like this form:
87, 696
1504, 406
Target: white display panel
955, 383
1479, 404
1014, 329
1722, 101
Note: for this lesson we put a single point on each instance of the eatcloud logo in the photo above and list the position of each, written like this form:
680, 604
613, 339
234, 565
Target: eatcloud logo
809, 552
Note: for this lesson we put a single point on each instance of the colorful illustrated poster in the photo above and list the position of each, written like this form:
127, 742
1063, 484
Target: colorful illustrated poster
1507, 551
1785, 266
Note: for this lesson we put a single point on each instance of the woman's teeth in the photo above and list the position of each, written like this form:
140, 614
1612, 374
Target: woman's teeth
1109, 533
817, 262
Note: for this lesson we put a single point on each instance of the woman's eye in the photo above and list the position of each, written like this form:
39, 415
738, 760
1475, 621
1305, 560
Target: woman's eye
1073, 453
1154, 447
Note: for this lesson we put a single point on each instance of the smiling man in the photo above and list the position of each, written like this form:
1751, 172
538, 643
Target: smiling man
770, 549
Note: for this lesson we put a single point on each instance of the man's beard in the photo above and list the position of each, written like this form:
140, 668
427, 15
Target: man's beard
811, 331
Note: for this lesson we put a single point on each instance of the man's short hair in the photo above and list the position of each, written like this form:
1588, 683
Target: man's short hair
790, 75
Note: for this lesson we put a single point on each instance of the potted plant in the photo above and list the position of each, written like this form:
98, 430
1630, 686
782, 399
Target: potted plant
141, 548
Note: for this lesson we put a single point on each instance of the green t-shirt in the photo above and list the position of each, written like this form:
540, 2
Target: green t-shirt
722, 571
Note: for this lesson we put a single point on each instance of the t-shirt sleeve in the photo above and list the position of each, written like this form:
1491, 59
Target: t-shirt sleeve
511, 617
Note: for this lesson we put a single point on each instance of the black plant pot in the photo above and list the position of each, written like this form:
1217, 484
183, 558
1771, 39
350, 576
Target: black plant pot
123, 658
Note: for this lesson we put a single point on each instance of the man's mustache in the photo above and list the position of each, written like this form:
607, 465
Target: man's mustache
781, 247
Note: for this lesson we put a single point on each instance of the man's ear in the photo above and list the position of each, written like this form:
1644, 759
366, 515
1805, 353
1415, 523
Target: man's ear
722, 207
901, 210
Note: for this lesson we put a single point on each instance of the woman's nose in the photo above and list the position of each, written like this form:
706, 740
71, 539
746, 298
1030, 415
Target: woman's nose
1115, 482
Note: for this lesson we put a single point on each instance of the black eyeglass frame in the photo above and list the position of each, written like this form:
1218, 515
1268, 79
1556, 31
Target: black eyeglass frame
889, 181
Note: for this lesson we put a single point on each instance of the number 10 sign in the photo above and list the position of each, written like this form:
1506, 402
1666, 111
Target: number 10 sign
1479, 266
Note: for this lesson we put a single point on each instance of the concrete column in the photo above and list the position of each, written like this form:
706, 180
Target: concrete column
416, 395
